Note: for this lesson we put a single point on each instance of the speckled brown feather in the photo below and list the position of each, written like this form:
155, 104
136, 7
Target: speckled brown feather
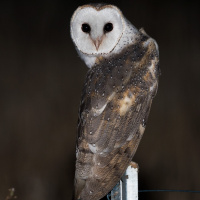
122, 88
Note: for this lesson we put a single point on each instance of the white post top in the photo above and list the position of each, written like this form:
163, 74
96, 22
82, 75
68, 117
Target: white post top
127, 187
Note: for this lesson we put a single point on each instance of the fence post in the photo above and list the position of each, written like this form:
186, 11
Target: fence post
127, 187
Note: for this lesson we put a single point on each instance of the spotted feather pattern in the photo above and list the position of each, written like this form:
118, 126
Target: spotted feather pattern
115, 105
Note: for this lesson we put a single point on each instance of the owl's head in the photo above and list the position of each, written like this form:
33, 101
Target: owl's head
96, 30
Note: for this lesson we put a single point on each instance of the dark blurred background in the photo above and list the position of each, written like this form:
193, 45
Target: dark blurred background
41, 77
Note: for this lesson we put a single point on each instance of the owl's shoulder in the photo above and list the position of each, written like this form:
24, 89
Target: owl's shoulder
143, 48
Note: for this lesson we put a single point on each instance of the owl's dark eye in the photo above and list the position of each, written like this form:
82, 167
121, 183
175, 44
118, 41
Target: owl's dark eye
86, 28
108, 27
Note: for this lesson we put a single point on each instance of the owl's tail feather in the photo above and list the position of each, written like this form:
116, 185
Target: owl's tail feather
78, 187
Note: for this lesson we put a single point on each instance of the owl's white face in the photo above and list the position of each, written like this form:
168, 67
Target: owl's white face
96, 32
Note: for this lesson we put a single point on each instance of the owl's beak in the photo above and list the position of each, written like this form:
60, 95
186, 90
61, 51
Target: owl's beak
97, 42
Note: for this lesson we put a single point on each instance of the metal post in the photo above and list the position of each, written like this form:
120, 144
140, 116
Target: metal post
127, 188
116, 193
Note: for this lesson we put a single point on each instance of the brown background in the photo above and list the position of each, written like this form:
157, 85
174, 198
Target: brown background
41, 78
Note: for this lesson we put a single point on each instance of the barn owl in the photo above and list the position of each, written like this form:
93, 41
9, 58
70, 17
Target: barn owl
120, 84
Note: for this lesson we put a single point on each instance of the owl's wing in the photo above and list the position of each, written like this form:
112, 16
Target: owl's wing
114, 109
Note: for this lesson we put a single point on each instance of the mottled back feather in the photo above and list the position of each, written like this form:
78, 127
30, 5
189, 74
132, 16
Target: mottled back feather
115, 105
